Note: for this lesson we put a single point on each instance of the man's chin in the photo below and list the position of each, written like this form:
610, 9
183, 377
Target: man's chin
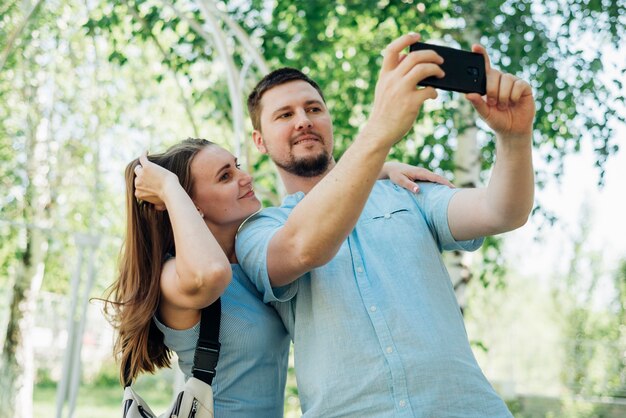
311, 166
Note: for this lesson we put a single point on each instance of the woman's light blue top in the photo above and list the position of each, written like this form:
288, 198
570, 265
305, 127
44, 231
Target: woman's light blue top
252, 367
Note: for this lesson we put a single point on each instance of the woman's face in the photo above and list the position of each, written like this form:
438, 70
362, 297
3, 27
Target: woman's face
221, 191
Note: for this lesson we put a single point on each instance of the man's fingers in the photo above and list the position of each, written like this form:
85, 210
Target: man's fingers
481, 50
520, 88
504, 93
425, 94
423, 71
493, 76
479, 104
418, 59
493, 87
393, 50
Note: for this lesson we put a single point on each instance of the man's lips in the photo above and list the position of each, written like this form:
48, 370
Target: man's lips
307, 138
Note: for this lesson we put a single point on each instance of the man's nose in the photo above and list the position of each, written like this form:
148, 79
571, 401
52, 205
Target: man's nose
303, 121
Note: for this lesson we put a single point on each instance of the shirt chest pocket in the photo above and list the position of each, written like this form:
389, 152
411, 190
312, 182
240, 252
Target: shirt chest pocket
385, 215
387, 224
391, 232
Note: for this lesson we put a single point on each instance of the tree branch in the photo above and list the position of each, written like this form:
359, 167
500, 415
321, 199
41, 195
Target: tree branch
15, 34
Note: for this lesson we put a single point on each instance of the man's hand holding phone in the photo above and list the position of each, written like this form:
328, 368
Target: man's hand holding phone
504, 101
396, 100
508, 106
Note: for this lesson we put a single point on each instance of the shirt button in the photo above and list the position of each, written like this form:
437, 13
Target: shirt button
402, 403
389, 350
373, 308
359, 270
387, 215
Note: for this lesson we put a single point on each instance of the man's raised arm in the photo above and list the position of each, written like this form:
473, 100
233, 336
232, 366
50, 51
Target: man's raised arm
320, 223
505, 204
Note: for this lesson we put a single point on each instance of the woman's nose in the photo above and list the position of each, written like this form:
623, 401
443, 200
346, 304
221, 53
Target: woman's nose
245, 178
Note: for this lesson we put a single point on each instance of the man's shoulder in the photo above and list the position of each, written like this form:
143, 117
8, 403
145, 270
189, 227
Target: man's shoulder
266, 216
387, 190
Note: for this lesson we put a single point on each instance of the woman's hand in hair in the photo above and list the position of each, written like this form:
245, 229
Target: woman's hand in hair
152, 182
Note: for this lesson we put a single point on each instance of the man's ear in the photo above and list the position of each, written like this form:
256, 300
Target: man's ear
258, 141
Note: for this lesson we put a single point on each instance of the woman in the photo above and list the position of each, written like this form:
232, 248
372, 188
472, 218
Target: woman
183, 211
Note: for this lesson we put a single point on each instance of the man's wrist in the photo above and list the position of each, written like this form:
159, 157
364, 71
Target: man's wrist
514, 140
377, 136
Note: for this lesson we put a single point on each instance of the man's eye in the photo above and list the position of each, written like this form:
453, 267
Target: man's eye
285, 115
314, 109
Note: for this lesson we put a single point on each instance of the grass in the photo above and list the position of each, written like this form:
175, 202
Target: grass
96, 402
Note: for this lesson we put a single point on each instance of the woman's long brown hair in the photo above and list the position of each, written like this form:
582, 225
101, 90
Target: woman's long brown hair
133, 299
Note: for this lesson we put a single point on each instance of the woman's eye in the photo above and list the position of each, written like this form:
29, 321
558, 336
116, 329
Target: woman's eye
238, 166
224, 176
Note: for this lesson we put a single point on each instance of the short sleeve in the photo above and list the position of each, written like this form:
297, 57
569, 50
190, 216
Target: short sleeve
251, 246
183, 342
433, 200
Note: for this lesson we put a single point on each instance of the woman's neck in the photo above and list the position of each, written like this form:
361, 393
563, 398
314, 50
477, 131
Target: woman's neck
225, 237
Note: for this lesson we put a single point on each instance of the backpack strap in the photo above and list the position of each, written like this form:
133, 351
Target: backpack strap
208, 347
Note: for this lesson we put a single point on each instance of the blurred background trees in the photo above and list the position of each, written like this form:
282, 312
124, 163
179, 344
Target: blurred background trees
85, 86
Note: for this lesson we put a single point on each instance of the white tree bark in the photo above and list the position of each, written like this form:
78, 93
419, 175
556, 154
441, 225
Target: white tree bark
466, 174
17, 362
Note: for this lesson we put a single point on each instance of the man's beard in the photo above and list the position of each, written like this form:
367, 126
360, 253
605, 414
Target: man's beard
307, 167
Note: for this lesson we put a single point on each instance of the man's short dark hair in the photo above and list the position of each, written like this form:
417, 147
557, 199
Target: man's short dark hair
273, 79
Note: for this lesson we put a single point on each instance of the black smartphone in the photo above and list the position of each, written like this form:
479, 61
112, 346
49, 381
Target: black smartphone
465, 70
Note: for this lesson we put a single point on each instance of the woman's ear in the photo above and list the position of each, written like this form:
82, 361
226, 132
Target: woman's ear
200, 212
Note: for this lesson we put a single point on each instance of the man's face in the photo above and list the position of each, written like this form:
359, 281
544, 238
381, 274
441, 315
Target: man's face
296, 129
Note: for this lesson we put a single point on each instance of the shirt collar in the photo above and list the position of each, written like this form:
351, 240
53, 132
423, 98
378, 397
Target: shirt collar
290, 201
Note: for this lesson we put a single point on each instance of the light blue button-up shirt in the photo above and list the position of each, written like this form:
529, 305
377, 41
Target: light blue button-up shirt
378, 331
252, 369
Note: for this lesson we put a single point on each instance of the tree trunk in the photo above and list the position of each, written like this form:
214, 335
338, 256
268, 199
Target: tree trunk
467, 171
467, 174
17, 362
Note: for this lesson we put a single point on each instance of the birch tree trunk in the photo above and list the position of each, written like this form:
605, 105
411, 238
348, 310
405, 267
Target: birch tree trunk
17, 362
466, 174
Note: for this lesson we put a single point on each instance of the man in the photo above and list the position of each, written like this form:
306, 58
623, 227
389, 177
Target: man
354, 266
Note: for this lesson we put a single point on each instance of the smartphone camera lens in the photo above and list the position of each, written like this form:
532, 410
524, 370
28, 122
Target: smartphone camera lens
472, 71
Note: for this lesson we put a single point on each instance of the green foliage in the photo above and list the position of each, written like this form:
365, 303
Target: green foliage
594, 337
338, 44
105, 85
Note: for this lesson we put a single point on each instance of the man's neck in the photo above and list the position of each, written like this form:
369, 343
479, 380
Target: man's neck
294, 183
